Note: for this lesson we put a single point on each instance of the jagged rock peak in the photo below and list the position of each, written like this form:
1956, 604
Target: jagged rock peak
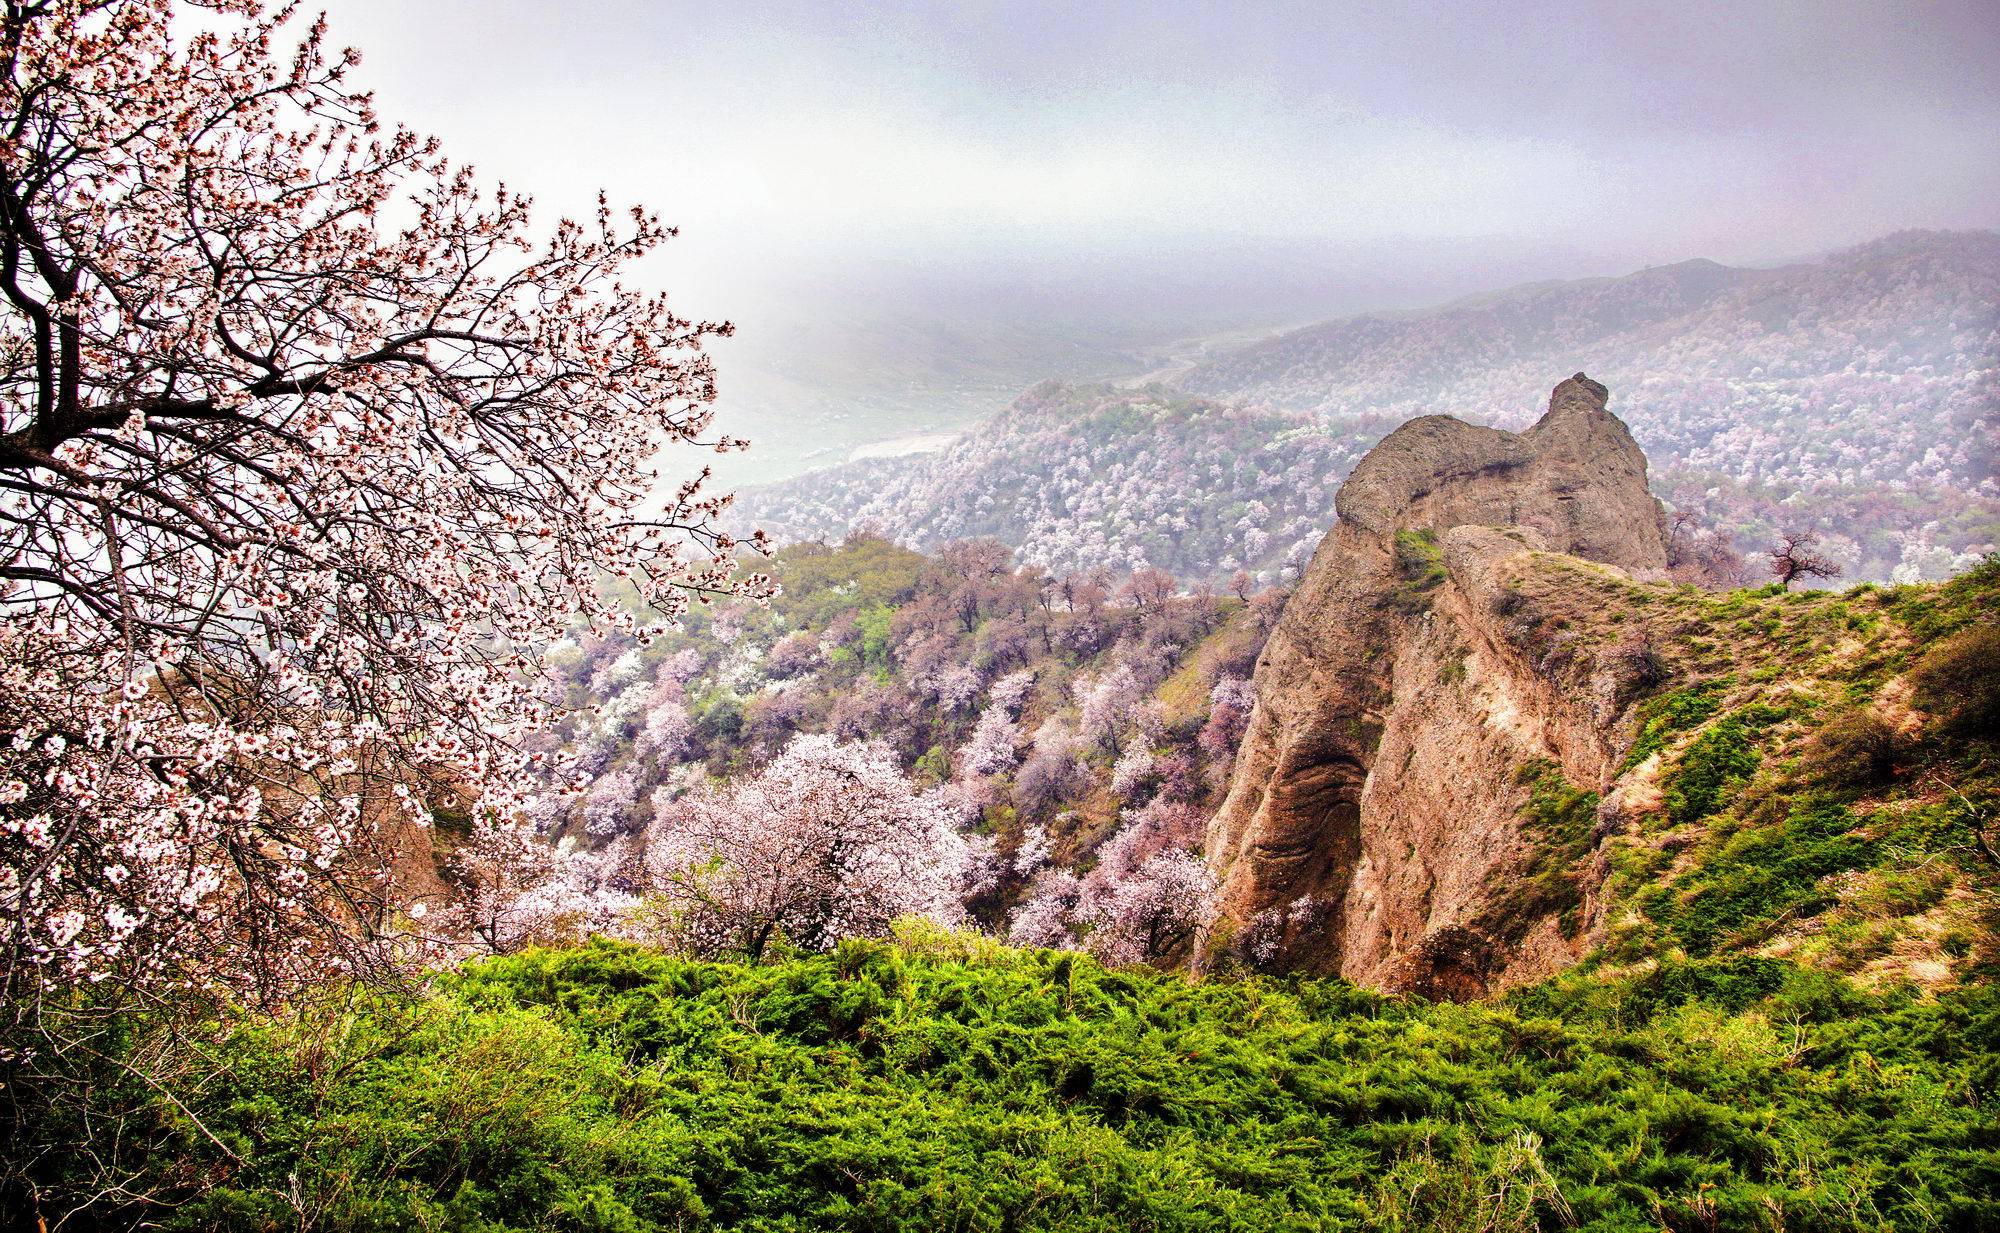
1380, 781
1579, 423
1576, 479
1577, 399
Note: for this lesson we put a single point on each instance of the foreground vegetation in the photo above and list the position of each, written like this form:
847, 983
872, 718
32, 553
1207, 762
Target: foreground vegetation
1789, 1022
945, 1082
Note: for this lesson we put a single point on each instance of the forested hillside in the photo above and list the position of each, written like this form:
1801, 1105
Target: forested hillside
1852, 395
1076, 729
1073, 739
1077, 477
1786, 1021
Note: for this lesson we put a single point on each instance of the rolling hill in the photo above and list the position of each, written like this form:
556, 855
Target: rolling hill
1853, 395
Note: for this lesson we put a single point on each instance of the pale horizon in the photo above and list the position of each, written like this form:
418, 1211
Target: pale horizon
844, 179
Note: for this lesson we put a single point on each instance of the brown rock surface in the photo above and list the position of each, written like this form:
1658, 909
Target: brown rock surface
1380, 777
1576, 478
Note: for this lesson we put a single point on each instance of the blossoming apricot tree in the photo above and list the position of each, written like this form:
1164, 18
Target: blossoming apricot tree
828, 841
307, 442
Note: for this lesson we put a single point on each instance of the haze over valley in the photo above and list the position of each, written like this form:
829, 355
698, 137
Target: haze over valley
1853, 395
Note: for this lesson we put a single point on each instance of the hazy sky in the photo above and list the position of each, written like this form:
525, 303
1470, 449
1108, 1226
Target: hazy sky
1256, 159
1655, 129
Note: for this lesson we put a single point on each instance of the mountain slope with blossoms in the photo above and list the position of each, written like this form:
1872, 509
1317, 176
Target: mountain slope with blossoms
1852, 396
952, 737
1855, 394
1081, 476
1046, 758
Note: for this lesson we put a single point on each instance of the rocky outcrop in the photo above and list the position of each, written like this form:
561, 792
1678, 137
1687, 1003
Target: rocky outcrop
1576, 480
1375, 823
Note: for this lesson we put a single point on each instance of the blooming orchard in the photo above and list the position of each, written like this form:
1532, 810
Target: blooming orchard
1072, 793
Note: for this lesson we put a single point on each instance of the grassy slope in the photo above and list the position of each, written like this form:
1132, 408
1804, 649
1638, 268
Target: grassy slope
1799, 786
949, 1084
1791, 1023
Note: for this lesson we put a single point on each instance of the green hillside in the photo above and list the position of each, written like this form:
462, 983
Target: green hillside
1791, 1023
946, 1083
1813, 776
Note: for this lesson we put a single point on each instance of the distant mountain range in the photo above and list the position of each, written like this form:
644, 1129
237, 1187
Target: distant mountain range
1855, 394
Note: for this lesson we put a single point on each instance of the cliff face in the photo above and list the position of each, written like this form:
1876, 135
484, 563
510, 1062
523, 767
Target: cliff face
1379, 823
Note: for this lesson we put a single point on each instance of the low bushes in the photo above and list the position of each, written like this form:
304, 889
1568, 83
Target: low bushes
1959, 680
973, 1087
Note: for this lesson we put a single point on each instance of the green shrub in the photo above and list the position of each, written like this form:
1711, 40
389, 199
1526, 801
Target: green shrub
1714, 761
1419, 567
1905, 892
1765, 874
1661, 718
949, 1084
1560, 818
1855, 748
1959, 680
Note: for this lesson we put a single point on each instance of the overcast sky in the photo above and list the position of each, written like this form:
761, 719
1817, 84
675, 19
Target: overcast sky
1257, 158
1658, 130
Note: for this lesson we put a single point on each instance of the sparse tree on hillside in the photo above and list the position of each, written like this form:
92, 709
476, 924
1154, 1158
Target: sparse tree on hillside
1043, 918
306, 440
1697, 553
1107, 704
958, 689
1052, 772
1003, 643
1796, 555
1148, 588
607, 808
666, 731
1267, 605
1135, 769
1231, 701
793, 655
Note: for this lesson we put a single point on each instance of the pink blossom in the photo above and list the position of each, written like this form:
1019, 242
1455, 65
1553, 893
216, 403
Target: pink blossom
827, 841
321, 442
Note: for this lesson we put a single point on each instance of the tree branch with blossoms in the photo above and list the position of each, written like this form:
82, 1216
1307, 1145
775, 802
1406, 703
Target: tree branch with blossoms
308, 442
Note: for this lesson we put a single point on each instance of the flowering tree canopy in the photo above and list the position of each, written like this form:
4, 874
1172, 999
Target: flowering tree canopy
828, 841
307, 440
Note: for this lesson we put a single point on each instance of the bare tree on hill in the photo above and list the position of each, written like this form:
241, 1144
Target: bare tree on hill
1796, 555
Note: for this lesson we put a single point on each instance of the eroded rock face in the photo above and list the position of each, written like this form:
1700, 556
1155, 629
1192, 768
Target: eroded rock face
1380, 780
1576, 479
